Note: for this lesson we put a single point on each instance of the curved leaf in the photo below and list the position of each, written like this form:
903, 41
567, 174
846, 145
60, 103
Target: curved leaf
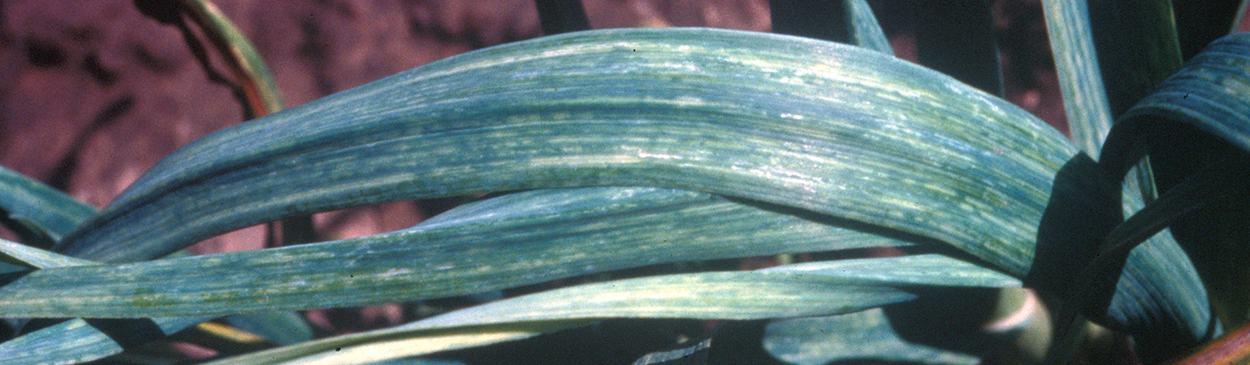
510, 241
852, 133
1091, 48
760, 294
669, 222
741, 295
1197, 118
20, 254
46, 208
259, 92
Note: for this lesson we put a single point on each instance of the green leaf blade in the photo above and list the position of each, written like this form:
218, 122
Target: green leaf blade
848, 338
626, 107
526, 238
777, 293
50, 210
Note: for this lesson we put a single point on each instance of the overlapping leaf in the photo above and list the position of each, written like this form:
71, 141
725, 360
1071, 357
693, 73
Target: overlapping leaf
858, 137
1198, 117
510, 241
43, 207
796, 122
839, 287
831, 129
1086, 42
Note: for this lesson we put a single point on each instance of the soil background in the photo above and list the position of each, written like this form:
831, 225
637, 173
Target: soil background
93, 93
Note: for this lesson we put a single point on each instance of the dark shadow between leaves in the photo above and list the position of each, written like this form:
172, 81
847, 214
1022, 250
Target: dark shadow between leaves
1084, 207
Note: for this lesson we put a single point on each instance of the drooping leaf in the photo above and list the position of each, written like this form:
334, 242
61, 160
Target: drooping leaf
664, 222
251, 77
1085, 41
850, 133
707, 296
43, 207
1198, 117
509, 241
19, 254
703, 296
811, 125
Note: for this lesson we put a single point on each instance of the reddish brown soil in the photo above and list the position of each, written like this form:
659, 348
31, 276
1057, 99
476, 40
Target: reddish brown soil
92, 93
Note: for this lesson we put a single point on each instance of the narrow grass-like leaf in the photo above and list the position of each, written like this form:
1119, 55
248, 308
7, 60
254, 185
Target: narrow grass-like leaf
1198, 116
739, 295
542, 235
813, 125
664, 218
848, 338
1091, 98
931, 270
50, 210
1104, 70
81, 340
1080, 78
20, 254
865, 29
371, 347
77, 342
260, 93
